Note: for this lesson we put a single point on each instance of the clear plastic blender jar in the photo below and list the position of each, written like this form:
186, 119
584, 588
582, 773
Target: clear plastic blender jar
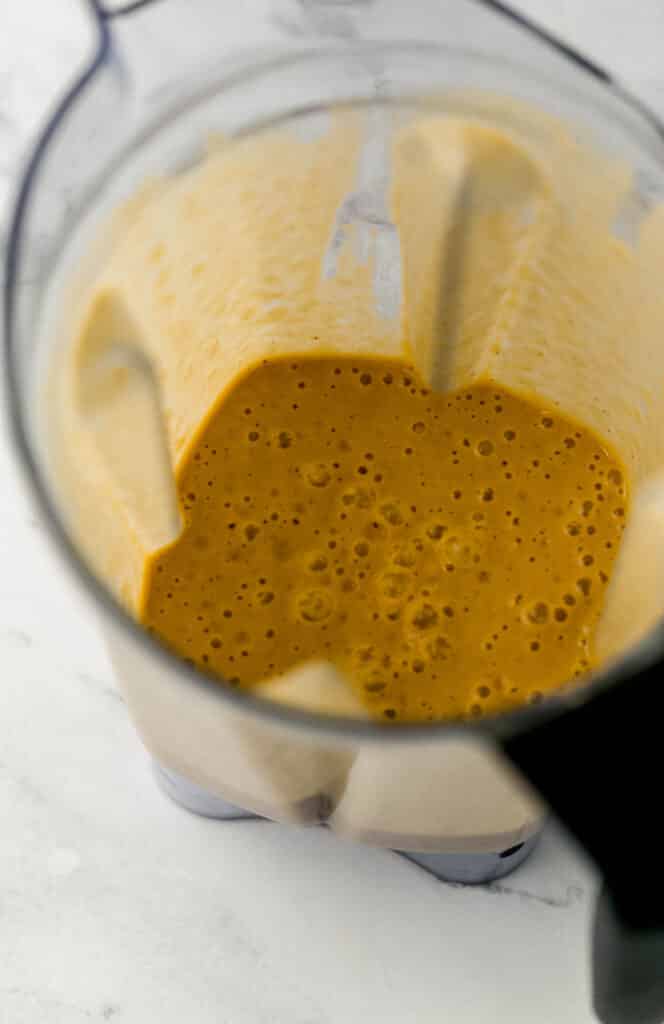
166, 78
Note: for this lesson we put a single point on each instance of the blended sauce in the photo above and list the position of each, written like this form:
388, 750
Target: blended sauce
448, 552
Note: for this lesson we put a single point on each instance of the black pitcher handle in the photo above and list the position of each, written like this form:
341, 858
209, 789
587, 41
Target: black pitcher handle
628, 968
600, 767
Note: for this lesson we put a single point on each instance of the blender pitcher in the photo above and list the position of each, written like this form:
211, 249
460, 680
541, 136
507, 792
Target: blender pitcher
166, 79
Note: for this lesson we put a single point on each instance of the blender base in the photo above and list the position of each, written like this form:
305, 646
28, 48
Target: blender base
464, 868
195, 799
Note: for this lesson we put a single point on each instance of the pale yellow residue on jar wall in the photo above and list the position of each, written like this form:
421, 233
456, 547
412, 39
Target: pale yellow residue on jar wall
218, 269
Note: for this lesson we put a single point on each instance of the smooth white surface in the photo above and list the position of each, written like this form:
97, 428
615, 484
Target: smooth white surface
116, 905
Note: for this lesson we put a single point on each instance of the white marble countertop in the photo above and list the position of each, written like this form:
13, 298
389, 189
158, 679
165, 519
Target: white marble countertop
115, 904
